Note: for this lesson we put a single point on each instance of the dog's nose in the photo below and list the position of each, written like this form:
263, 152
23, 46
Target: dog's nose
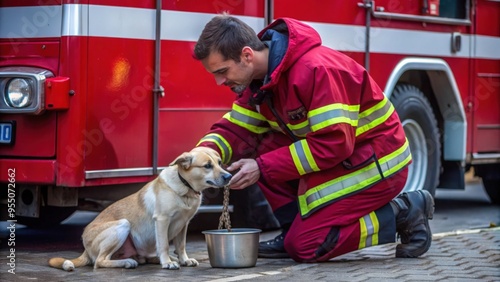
227, 177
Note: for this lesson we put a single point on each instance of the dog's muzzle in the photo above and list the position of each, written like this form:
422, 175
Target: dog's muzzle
222, 181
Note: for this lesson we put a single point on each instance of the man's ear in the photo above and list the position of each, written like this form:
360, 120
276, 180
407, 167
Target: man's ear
183, 160
247, 54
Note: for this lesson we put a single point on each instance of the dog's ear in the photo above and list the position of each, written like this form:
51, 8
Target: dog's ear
183, 160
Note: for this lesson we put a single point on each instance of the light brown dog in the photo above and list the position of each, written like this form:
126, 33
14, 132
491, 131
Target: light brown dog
125, 233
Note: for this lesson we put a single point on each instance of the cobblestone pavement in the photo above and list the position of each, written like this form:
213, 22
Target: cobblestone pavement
470, 255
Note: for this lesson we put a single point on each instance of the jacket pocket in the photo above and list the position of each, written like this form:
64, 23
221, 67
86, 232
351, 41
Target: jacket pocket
362, 156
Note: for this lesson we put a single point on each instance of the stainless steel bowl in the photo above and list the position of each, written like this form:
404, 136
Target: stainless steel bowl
235, 249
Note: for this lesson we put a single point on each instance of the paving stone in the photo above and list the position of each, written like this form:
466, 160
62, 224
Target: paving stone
454, 257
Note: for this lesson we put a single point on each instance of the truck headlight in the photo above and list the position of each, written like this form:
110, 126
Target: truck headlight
22, 89
19, 93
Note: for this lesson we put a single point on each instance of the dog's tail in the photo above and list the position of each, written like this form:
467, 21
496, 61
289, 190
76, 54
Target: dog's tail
70, 264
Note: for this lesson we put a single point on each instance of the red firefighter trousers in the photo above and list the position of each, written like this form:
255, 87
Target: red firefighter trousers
340, 227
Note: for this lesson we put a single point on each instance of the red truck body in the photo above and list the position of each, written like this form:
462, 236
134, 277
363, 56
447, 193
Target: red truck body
114, 98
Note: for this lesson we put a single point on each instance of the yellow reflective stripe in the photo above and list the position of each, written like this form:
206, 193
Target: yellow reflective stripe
249, 127
221, 143
392, 163
376, 229
363, 233
333, 114
302, 157
250, 120
274, 125
247, 112
355, 181
300, 129
369, 229
374, 116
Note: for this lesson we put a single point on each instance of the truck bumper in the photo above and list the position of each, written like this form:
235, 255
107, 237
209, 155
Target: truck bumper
29, 171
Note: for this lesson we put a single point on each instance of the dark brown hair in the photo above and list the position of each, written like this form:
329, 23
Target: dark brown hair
226, 35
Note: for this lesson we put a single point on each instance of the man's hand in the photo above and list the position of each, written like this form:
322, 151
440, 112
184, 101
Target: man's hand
249, 173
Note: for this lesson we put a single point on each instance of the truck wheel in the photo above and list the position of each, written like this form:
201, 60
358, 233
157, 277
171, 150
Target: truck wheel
422, 132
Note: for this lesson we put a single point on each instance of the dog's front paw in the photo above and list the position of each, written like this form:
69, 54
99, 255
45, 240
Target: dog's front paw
171, 265
190, 262
130, 263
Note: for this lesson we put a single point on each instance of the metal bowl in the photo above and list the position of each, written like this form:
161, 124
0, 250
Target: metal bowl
235, 249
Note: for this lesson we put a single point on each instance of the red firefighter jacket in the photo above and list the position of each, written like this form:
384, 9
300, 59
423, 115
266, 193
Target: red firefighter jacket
348, 135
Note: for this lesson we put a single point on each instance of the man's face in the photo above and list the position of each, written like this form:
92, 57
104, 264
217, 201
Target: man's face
235, 75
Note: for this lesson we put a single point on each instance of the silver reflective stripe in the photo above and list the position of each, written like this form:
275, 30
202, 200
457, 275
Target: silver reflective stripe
370, 230
329, 115
369, 176
299, 149
301, 131
364, 120
346, 183
76, 20
386, 166
275, 126
247, 119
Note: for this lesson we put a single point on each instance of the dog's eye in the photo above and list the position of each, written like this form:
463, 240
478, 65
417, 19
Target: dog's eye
208, 166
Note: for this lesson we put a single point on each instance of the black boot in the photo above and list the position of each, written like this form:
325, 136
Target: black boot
412, 223
274, 248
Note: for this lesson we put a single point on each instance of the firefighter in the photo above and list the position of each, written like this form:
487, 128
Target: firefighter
315, 132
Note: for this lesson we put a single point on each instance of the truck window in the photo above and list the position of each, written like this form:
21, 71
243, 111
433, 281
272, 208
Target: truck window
453, 9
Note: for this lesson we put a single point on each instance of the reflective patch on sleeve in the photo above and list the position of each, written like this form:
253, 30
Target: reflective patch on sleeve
302, 157
250, 120
221, 143
374, 116
333, 114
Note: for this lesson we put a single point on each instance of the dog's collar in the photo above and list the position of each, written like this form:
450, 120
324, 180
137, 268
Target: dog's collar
187, 183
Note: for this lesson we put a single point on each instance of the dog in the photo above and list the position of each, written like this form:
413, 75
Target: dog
137, 229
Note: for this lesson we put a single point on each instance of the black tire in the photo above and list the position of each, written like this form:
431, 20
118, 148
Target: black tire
422, 131
492, 187
490, 174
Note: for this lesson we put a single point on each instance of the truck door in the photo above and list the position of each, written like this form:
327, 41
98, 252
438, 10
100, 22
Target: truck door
484, 105
193, 101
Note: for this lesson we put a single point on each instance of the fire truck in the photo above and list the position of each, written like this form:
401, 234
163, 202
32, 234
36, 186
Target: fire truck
97, 96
